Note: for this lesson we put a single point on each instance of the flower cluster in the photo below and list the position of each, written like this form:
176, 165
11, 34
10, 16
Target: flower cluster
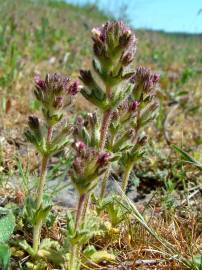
54, 94
145, 83
113, 44
88, 165
114, 47
126, 111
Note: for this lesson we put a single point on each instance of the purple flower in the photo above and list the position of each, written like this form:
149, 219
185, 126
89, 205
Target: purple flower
117, 30
127, 58
54, 93
103, 158
79, 120
133, 106
88, 165
57, 84
156, 77
80, 146
40, 84
145, 78
74, 87
111, 38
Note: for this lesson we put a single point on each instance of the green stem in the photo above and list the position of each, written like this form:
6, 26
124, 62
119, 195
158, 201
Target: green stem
42, 181
74, 260
126, 176
40, 191
104, 182
86, 206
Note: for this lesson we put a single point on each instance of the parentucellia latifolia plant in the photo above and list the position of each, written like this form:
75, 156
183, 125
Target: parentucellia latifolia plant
124, 102
125, 98
54, 94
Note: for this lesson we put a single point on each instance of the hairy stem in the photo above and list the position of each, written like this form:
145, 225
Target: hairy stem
79, 211
126, 177
104, 128
103, 136
40, 191
42, 181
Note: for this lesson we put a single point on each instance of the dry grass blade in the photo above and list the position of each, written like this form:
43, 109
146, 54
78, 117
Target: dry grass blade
171, 251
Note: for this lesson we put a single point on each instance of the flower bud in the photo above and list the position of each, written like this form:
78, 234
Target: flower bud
103, 158
34, 134
114, 39
86, 77
142, 140
74, 88
79, 121
127, 58
133, 106
77, 165
80, 147
92, 119
39, 83
33, 122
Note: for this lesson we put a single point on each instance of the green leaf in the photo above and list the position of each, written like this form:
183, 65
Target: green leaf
7, 225
186, 157
4, 256
102, 255
70, 223
41, 214
89, 251
25, 246
195, 262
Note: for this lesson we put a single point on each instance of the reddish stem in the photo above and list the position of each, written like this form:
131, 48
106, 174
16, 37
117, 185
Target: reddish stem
104, 128
80, 208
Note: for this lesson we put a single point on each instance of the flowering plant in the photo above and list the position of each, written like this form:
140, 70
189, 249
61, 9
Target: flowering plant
126, 102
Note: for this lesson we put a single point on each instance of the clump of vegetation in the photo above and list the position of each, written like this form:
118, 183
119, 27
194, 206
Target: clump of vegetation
126, 100
123, 136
